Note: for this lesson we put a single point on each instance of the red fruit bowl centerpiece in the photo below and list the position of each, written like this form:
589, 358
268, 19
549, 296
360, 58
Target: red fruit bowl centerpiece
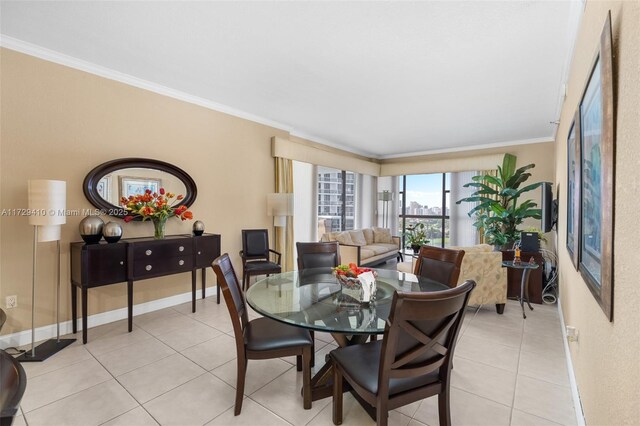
348, 274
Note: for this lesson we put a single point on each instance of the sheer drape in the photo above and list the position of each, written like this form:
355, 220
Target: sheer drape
284, 234
462, 233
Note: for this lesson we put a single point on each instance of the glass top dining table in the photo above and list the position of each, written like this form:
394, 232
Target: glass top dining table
316, 300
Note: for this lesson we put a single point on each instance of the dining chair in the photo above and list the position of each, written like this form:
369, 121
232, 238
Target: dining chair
412, 362
13, 382
256, 255
261, 338
439, 264
318, 255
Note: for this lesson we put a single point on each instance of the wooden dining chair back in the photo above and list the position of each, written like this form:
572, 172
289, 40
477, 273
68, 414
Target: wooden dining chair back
256, 255
414, 359
439, 264
261, 338
318, 255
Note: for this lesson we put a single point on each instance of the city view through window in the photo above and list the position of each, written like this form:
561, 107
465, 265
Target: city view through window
425, 199
336, 200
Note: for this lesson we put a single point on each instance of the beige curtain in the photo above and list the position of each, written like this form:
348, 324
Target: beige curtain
284, 234
494, 173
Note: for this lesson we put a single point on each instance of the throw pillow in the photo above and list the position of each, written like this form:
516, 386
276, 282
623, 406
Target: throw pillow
382, 235
368, 235
344, 238
358, 238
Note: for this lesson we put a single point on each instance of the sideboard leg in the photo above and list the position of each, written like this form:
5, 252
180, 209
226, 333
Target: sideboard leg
204, 281
85, 327
74, 308
130, 304
193, 290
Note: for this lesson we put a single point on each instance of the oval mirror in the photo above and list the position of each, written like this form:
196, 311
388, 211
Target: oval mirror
106, 184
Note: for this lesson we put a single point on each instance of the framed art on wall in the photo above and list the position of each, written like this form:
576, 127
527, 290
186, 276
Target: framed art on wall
596, 122
573, 190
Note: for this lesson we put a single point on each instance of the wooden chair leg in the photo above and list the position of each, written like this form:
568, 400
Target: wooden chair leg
307, 356
299, 361
313, 348
241, 374
500, 308
382, 413
444, 413
337, 396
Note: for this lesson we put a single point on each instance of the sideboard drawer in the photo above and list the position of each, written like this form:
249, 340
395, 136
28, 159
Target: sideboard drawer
154, 268
151, 251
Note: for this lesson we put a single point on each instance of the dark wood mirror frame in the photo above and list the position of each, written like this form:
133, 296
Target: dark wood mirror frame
89, 186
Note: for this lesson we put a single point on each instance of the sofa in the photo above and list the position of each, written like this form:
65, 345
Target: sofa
365, 247
483, 265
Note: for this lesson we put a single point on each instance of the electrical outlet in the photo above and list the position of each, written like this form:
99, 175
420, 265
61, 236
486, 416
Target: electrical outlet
572, 334
11, 302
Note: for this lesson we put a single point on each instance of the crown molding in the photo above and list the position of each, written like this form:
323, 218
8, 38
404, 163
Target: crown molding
31, 49
91, 68
469, 148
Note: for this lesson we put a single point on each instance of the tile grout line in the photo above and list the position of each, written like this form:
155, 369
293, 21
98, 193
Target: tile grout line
515, 386
71, 394
127, 391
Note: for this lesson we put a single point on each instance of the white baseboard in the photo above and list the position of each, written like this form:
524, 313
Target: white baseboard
49, 331
577, 404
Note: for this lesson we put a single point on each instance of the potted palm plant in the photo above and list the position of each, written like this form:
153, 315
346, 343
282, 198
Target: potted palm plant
498, 212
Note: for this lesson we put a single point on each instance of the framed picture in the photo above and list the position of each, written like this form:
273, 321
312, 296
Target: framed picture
103, 187
597, 176
573, 190
137, 185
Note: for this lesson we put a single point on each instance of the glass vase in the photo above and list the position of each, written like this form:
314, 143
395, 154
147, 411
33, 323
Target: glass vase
158, 227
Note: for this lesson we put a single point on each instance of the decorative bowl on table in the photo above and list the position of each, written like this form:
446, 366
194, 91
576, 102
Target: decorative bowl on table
347, 276
349, 282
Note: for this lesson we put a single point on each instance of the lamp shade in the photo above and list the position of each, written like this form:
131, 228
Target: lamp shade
47, 202
385, 196
280, 205
49, 233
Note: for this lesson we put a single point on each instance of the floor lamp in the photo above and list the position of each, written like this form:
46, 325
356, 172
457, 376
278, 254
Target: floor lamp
385, 196
47, 204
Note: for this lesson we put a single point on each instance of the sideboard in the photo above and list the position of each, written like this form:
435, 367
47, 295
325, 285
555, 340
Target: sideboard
135, 259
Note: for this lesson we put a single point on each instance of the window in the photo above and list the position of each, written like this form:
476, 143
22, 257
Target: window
336, 201
425, 199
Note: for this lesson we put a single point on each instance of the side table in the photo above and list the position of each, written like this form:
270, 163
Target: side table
526, 268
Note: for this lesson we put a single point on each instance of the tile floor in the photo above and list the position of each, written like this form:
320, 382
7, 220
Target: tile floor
178, 368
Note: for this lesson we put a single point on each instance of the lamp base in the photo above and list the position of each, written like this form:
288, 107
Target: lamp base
45, 350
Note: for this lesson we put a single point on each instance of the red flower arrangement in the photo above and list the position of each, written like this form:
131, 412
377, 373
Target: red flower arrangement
158, 207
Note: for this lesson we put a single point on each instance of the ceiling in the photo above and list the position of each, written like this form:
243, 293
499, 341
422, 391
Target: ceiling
382, 79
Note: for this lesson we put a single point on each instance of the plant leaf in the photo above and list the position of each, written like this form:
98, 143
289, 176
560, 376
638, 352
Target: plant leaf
528, 188
508, 166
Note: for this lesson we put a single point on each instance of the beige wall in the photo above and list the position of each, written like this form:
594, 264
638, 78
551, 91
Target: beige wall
59, 123
606, 358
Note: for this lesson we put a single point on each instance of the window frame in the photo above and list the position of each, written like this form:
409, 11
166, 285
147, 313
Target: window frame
443, 216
